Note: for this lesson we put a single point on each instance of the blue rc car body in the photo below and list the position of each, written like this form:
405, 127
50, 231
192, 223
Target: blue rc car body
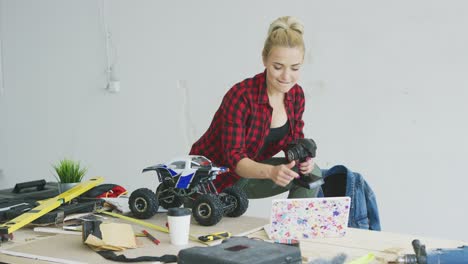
188, 180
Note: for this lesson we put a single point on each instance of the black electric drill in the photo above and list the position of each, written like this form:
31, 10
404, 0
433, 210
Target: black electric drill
438, 256
299, 150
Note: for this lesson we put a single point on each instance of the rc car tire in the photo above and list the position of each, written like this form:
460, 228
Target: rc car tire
143, 203
207, 210
239, 198
162, 193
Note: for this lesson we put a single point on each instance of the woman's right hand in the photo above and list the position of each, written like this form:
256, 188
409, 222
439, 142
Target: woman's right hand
283, 174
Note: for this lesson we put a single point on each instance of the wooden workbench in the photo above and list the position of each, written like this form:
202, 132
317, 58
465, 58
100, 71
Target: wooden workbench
357, 243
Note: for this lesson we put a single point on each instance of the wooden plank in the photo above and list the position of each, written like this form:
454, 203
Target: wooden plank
39, 257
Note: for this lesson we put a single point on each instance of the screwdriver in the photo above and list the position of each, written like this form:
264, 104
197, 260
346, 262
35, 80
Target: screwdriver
215, 236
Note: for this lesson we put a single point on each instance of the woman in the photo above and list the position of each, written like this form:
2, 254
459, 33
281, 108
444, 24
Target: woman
258, 117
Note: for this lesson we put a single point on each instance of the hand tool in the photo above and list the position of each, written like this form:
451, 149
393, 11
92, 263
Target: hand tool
151, 237
215, 236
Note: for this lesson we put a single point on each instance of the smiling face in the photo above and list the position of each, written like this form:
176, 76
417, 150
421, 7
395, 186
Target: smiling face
283, 66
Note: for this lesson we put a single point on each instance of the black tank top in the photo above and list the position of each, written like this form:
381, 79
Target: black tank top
275, 135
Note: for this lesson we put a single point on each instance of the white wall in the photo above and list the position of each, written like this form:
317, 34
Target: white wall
385, 82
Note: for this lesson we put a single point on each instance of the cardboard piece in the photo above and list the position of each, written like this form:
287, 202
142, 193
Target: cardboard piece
115, 236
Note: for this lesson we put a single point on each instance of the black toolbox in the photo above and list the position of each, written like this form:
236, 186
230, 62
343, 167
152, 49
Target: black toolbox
32, 190
242, 250
24, 196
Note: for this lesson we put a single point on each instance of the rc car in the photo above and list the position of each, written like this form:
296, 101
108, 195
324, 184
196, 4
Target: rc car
189, 181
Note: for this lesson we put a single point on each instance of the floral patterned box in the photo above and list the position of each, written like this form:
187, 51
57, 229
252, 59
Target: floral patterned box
309, 218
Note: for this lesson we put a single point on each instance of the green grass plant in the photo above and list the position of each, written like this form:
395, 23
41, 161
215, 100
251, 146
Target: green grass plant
69, 171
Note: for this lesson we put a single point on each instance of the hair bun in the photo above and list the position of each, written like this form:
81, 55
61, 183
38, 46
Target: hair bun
285, 31
286, 23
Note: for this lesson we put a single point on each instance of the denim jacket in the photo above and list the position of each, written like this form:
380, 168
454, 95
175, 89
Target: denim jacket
340, 181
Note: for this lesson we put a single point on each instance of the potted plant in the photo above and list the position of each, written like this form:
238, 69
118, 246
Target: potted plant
68, 173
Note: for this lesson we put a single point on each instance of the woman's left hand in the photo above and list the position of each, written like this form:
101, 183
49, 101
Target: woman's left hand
306, 166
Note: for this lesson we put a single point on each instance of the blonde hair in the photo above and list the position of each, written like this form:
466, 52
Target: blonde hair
285, 31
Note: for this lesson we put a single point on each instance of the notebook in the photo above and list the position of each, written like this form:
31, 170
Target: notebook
308, 218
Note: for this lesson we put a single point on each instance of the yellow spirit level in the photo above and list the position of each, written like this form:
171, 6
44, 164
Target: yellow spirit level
46, 206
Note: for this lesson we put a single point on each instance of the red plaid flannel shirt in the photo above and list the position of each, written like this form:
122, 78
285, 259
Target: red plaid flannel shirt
242, 122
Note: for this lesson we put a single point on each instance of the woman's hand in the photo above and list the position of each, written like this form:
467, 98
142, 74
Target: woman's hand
282, 174
306, 166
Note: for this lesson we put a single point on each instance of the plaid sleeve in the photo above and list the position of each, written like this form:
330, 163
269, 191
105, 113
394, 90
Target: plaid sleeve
299, 106
235, 111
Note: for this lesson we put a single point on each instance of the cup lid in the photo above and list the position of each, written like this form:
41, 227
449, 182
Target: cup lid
178, 211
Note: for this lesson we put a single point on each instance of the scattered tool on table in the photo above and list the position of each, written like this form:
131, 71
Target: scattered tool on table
437, 256
151, 237
9, 227
215, 236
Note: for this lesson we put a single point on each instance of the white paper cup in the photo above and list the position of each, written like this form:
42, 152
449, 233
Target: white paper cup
178, 220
